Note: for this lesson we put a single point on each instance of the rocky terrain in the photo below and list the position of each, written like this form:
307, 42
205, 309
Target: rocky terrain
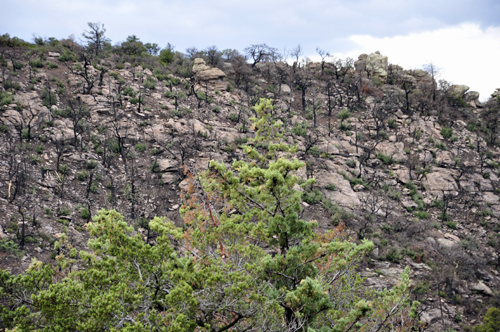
399, 157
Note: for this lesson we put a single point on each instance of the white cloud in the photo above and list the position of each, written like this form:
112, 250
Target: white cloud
466, 54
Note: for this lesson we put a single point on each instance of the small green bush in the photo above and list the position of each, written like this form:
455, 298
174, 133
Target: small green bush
344, 114
150, 83
94, 188
64, 169
233, 117
66, 55
48, 98
36, 63
451, 224
82, 175
64, 212
6, 98
84, 213
155, 168
388, 160
140, 147
313, 196
351, 163
52, 65
422, 214
393, 255
91, 164
391, 123
330, 187
447, 132
440, 145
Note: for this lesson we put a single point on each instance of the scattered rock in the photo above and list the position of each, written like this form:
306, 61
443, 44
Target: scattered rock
481, 288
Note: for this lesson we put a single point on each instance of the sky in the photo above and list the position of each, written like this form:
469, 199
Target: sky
461, 37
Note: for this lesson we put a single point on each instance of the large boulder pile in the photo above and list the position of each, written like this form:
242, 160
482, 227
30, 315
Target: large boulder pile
207, 75
373, 64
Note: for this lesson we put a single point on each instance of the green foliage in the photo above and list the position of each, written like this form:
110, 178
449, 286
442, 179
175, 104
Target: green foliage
84, 213
166, 56
393, 255
344, 115
64, 212
82, 176
227, 280
9, 247
388, 160
140, 147
447, 132
5, 98
233, 117
391, 123
3, 128
8, 84
491, 322
331, 187
300, 128
155, 167
66, 55
440, 145
422, 214
48, 98
91, 164
451, 224
52, 65
150, 83
422, 287
64, 169
36, 63
312, 196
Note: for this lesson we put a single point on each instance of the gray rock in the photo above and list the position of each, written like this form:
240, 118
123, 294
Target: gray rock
210, 74
438, 180
481, 288
374, 63
199, 65
168, 165
458, 90
169, 177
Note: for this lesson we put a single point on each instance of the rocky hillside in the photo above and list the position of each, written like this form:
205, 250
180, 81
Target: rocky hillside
399, 158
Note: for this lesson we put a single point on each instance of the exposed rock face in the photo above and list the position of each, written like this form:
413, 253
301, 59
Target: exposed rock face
375, 64
168, 165
210, 74
204, 72
472, 96
482, 288
496, 93
438, 180
343, 194
459, 90
395, 150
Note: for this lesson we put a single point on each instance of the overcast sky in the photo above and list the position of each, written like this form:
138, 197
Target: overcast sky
461, 37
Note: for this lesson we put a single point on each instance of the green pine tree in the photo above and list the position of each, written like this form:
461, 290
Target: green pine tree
245, 260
